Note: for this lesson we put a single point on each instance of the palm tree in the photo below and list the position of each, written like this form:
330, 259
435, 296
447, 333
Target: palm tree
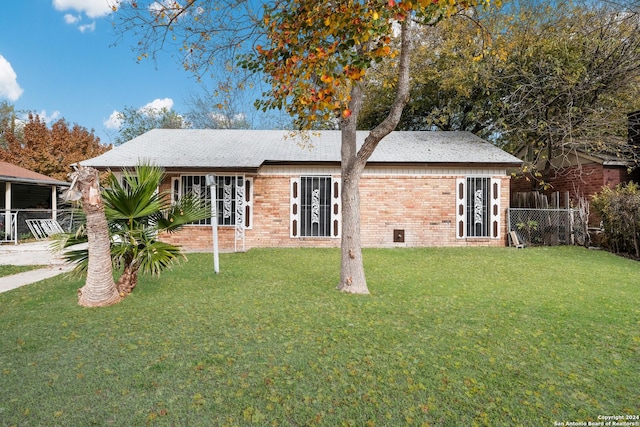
99, 288
136, 213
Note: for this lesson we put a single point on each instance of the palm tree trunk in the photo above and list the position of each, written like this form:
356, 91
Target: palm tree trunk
99, 289
128, 279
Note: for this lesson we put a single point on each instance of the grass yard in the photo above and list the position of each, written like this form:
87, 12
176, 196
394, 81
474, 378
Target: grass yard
448, 337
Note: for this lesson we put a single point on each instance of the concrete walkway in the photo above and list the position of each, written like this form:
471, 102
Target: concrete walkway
33, 253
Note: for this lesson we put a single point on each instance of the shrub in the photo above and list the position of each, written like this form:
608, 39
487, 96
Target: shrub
619, 209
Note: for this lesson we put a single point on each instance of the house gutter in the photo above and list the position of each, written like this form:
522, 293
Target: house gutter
617, 163
34, 181
401, 164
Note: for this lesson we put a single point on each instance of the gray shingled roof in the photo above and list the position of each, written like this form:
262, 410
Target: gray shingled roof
191, 148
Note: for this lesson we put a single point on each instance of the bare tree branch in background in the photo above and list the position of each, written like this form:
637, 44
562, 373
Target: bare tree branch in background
569, 82
554, 78
201, 35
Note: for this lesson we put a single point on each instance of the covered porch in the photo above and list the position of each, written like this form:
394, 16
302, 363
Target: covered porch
25, 196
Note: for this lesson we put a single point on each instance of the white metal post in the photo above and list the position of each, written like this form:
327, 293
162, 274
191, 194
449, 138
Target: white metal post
54, 202
211, 182
8, 216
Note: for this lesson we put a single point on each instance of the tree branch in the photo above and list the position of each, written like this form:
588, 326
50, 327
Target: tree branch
400, 101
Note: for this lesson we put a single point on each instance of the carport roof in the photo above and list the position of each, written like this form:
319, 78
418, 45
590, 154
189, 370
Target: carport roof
12, 173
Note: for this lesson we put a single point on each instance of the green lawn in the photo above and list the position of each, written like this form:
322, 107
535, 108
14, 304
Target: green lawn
451, 337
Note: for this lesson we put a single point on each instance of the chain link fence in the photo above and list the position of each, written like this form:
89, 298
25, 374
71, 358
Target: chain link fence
548, 227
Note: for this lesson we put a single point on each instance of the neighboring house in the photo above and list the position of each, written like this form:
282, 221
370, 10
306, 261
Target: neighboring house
582, 174
25, 190
276, 189
577, 173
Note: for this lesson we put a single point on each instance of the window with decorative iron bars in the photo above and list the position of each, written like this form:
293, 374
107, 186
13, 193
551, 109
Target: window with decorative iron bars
229, 190
478, 212
315, 207
478, 207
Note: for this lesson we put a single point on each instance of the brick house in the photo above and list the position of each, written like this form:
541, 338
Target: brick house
275, 189
576, 173
582, 174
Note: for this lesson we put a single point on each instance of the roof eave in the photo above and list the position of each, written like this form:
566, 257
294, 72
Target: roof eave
476, 165
214, 169
623, 163
401, 164
183, 169
34, 181
300, 163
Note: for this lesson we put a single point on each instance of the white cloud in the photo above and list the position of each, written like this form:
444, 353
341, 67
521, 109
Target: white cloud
49, 119
71, 19
9, 87
92, 8
114, 121
87, 27
164, 5
168, 10
158, 104
156, 7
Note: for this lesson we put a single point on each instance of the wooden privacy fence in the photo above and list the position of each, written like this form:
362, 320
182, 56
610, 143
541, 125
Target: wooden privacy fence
548, 227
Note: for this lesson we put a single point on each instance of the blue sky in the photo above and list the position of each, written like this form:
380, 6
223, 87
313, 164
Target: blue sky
58, 59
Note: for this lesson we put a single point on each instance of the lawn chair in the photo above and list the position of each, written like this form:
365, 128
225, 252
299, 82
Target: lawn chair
515, 241
44, 228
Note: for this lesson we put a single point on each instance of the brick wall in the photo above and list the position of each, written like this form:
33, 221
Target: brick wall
583, 180
586, 179
522, 184
424, 207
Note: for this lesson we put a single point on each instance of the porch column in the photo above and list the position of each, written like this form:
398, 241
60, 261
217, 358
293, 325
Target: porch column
7, 209
54, 202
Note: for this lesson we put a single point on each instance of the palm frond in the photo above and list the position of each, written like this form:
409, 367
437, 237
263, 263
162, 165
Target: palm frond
188, 209
79, 258
158, 256
137, 198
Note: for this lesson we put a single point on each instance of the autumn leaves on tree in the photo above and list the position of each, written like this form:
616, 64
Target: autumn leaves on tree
47, 150
313, 57
315, 52
316, 56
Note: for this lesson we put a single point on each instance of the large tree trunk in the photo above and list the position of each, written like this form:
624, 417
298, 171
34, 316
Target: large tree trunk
99, 289
353, 161
352, 277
